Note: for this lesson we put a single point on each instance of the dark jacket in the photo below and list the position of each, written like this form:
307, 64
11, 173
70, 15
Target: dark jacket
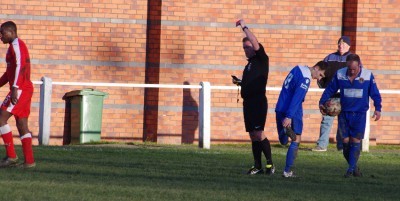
335, 62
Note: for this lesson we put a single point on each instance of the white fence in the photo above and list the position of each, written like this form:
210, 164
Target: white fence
204, 105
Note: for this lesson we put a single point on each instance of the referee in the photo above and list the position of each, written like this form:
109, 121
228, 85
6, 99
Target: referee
255, 106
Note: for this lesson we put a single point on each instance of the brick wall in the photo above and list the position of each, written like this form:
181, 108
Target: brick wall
185, 42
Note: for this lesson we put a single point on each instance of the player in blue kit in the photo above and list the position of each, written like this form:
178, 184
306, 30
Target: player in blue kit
356, 85
289, 108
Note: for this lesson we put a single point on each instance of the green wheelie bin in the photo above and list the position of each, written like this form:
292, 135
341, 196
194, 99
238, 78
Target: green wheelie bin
86, 110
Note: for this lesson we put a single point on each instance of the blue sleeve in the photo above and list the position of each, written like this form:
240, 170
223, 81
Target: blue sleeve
374, 94
298, 96
330, 90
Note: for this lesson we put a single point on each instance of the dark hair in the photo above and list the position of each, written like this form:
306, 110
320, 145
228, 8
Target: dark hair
9, 25
245, 39
322, 65
353, 57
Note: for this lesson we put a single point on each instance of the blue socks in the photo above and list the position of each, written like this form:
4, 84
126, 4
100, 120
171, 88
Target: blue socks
291, 155
354, 154
283, 138
346, 151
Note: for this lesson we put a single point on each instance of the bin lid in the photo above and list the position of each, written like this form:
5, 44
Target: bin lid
85, 92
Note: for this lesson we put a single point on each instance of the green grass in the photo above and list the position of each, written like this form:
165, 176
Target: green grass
155, 172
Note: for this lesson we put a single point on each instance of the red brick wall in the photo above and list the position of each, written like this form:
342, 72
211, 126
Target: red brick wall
188, 42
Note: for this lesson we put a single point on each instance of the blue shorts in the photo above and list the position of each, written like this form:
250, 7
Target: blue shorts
352, 124
297, 126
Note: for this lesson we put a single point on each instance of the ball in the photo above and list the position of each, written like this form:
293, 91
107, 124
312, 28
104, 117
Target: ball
333, 107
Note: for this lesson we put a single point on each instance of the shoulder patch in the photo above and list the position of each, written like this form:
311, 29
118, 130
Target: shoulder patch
305, 71
341, 74
365, 74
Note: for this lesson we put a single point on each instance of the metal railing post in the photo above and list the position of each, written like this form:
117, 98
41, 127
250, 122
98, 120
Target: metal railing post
365, 141
45, 110
205, 115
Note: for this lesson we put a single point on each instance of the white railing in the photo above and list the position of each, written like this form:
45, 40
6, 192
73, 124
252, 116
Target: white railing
204, 105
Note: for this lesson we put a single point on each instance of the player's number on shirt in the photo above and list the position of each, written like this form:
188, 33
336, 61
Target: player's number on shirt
287, 81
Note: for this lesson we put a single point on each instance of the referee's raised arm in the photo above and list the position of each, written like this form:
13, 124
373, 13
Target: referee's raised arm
249, 35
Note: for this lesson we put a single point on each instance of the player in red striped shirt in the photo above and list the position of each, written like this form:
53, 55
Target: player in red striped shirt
18, 100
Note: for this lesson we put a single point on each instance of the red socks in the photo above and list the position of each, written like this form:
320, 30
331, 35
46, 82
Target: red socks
27, 148
6, 134
26, 140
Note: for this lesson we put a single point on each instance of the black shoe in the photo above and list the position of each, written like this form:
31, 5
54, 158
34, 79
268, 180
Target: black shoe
354, 173
357, 172
290, 133
270, 170
8, 162
254, 171
348, 174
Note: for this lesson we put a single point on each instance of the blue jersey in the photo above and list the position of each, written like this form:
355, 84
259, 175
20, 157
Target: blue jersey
354, 96
293, 92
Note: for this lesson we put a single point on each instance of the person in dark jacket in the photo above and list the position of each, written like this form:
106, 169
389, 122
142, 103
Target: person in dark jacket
336, 61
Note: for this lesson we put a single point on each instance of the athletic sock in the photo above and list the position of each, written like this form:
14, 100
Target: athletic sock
266, 148
6, 134
283, 138
291, 155
27, 148
354, 155
256, 147
346, 151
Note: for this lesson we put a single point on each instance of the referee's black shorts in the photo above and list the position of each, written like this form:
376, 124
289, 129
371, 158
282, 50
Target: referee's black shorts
255, 113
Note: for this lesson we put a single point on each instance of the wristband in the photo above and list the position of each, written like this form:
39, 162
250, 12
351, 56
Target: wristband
245, 27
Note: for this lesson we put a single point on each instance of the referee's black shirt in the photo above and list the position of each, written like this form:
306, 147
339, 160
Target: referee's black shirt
255, 75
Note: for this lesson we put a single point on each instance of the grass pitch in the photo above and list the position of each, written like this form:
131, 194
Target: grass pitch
158, 172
